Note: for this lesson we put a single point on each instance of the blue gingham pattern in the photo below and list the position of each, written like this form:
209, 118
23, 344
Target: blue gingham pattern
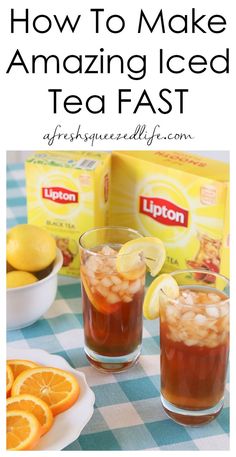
128, 413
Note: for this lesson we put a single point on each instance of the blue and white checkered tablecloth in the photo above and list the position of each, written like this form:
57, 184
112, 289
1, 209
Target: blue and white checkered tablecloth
128, 413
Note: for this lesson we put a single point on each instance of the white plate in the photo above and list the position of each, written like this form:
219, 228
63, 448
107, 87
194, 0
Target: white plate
68, 425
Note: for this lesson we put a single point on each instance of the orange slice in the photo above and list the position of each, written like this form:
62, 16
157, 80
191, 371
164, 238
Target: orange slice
23, 430
34, 405
18, 365
9, 380
58, 388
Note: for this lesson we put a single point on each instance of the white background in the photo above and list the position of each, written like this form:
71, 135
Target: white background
209, 112
28, 105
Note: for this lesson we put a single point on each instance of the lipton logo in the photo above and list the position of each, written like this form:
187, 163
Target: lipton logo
60, 195
163, 211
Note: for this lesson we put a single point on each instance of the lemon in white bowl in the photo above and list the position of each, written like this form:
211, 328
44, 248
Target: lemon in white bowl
27, 303
17, 278
30, 248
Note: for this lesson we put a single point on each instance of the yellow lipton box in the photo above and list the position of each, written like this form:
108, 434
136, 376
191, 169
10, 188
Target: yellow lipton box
179, 197
68, 193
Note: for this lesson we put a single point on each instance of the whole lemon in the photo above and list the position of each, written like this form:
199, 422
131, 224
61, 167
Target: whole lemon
30, 248
19, 278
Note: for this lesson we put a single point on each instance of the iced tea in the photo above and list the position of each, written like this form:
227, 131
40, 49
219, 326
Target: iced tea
112, 309
194, 334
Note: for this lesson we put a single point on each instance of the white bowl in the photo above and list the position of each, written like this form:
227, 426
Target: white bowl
26, 304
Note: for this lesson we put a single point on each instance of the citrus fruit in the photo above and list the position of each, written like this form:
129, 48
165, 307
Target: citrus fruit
129, 259
165, 283
34, 405
98, 301
30, 248
9, 380
23, 430
86, 287
18, 365
58, 388
19, 278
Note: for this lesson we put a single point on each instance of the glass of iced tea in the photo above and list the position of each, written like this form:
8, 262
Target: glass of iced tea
194, 340
112, 303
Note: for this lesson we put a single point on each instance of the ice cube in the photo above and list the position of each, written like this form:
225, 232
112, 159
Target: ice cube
106, 282
124, 285
172, 313
121, 292
194, 296
185, 293
112, 298
212, 341
213, 311
188, 315
115, 288
187, 297
225, 323
201, 332
105, 269
191, 296
224, 310
107, 250
90, 273
92, 264
93, 280
214, 298
134, 286
189, 300
111, 262
190, 342
212, 325
200, 319
181, 300
115, 279
183, 334
102, 290
126, 298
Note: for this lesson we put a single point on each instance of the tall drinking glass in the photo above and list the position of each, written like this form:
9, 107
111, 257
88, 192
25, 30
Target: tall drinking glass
112, 303
194, 340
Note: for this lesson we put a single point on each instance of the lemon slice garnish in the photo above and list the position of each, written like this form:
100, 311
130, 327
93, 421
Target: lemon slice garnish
134, 253
86, 287
165, 283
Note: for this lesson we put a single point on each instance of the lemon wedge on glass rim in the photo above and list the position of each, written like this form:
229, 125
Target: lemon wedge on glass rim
130, 257
163, 285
